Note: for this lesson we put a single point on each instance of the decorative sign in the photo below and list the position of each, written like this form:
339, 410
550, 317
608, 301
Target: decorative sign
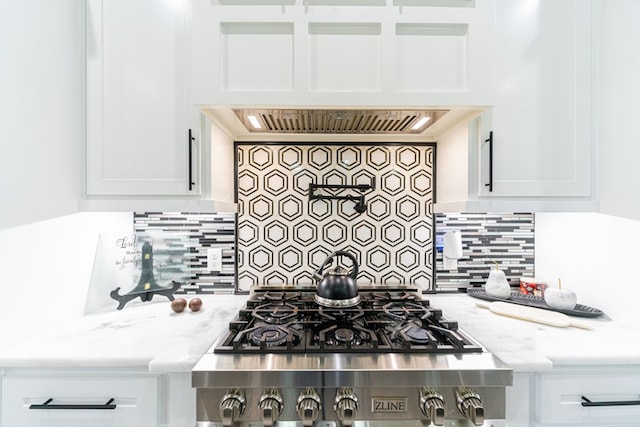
118, 263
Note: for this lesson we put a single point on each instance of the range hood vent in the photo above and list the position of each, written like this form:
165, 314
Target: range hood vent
338, 121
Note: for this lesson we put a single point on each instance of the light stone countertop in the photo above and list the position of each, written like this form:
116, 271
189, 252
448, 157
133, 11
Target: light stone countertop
146, 334
150, 335
532, 347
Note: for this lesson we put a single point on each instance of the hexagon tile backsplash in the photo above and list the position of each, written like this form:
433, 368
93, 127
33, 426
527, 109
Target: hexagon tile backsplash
283, 237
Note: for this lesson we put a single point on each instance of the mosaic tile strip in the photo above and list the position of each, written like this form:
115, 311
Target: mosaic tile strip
505, 238
211, 230
284, 238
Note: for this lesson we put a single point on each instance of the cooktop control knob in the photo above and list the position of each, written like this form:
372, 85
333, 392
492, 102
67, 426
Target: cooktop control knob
470, 405
346, 406
432, 405
270, 405
309, 406
232, 406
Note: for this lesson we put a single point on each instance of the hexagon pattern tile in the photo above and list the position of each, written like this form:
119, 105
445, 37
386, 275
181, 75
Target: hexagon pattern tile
284, 238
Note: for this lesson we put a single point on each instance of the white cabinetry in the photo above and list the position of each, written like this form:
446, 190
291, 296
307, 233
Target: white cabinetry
618, 92
554, 398
139, 110
135, 397
132, 400
558, 397
542, 121
352, 53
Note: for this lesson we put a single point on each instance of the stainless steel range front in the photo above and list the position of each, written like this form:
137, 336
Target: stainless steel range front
392, 359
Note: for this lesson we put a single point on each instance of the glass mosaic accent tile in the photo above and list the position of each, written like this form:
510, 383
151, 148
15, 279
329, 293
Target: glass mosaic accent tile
507, 239
208, 230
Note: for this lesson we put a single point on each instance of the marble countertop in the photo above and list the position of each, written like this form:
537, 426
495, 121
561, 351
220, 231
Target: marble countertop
151, 336
148, 335
528, 346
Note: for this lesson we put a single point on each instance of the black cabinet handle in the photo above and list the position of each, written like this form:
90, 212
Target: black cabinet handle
490, 141
191, 139
587, 402
47, 405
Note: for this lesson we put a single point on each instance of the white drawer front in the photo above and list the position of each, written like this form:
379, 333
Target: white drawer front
559, 398
135, 399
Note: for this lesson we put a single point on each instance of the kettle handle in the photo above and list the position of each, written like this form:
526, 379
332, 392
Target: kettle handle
354, 271
329, 260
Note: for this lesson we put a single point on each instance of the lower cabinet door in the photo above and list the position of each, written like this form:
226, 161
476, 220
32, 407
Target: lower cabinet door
614, 398
29, 400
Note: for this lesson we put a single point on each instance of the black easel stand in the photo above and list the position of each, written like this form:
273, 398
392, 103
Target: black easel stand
147, 286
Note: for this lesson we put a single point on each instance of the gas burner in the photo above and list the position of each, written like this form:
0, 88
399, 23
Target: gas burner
340, 336
406, 310
344, 335
275, 312
415, 334
268, 335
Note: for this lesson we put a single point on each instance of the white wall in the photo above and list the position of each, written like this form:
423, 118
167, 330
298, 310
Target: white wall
41, 108
222, 166
595, 255
46, 267
452, 172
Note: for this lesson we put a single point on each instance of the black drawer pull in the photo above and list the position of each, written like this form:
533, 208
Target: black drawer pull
191, 139
587, 402
490, 141
47, 405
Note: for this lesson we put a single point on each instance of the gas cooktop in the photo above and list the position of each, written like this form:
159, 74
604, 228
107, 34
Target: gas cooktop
391, 359
284, 319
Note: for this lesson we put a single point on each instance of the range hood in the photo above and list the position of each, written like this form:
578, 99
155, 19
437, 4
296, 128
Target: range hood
252, 123
393, 122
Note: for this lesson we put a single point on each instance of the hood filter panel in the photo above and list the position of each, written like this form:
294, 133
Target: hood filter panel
337, 121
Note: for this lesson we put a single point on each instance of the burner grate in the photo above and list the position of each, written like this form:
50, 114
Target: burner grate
384, 322
276, 313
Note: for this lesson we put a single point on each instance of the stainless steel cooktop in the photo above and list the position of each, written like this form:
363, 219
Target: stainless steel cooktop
251, 377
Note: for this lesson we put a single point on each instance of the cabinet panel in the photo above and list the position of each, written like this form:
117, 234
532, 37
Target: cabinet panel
344, 57
135, 400
137, 93
424, 52
559, 398
251, 46
431, 57
542, 118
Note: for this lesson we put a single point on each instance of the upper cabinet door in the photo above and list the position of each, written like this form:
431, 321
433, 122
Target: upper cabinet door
139, 115
542, 122
352, 52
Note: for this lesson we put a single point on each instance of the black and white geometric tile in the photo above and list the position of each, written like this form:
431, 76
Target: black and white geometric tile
207, 230
507, 239
283, 237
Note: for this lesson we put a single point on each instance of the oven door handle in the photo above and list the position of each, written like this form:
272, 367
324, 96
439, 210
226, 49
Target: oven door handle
47, 405
587, 402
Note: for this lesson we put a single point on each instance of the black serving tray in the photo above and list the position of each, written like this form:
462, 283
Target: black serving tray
535, 301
